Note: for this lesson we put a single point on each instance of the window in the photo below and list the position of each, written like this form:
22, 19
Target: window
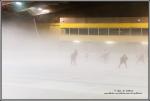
103, 31
136, 31
73, 31
93, 31
145, 31
83, 31
124, 31
114, 31
66, 30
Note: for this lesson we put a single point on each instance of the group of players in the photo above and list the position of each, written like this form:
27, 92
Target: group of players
105, 56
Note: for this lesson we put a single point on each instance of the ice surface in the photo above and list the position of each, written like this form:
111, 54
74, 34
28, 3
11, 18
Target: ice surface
41, 69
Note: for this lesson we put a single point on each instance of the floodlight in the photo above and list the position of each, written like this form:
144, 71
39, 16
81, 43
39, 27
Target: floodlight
45, 11
18, 3
40, 9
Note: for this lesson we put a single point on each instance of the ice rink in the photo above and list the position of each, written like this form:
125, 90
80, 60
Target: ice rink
74, 50
43, 70
40, 68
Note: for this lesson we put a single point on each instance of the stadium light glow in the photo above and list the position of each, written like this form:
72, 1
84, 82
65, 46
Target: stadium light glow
40, 9
18, 3
45, 11
109, 42
76, 41
144, 43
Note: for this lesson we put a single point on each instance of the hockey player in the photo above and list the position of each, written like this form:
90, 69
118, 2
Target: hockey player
74, 57
123, 60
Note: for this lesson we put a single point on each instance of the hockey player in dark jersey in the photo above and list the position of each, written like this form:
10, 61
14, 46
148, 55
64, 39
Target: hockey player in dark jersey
123, 60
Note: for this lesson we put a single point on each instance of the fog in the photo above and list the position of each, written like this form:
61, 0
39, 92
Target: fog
37, 67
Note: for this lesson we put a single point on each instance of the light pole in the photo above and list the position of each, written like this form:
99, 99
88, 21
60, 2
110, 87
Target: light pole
35, 26
34, 12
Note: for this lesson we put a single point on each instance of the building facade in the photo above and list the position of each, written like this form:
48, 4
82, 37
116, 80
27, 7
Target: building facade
101, 29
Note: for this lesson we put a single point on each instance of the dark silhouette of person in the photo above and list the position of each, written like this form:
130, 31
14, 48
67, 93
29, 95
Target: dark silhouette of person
74, 57
123, 60
141, 58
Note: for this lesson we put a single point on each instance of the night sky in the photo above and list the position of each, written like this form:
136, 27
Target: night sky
79, 9
105, 9
94, 9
